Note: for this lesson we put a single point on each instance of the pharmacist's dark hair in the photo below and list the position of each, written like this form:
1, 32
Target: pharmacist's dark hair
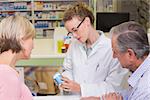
80, 10
131, 35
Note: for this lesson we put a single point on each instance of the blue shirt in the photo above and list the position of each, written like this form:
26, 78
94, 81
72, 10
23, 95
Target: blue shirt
140, 82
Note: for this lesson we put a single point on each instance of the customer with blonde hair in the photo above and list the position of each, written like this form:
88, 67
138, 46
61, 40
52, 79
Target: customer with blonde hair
16, 43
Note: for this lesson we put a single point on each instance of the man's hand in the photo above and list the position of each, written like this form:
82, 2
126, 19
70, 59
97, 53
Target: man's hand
112, 96
90, 98
70, 85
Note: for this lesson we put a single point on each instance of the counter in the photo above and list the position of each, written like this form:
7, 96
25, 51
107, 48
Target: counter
56, 98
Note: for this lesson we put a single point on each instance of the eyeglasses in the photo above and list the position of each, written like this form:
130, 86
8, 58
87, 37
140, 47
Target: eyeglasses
70, 33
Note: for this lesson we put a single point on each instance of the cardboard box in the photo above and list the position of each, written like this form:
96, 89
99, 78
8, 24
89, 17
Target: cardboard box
44, 78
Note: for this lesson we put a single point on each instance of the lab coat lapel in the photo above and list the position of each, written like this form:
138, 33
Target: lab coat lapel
97, 46
83, 51
95, 49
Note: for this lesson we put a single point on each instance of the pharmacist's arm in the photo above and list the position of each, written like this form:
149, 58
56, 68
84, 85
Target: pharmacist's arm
67, 65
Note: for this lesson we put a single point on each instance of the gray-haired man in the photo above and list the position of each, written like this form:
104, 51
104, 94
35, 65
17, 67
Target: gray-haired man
131, 47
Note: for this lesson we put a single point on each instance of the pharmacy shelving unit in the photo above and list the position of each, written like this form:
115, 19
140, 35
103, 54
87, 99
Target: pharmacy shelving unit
48, 15
44, 14
144, 13
43, 60
8, 8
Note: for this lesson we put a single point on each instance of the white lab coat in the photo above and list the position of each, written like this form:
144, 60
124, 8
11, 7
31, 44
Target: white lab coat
97, 74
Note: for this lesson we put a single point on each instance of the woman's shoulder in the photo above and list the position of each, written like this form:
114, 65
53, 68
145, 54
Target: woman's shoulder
8, 74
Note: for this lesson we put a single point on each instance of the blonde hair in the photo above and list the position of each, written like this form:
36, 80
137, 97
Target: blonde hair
12, 30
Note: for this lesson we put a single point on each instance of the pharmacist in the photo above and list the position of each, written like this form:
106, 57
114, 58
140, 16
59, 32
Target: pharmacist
89, 67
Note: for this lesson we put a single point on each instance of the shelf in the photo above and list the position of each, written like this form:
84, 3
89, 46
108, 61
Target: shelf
76, 97
15, 0
49, 9
42, 62
56, 0
41, 13
20, 10
51, 28
42, 19
43, 54
54, 55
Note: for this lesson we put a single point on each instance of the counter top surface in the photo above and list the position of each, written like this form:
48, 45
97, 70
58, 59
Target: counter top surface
56, 98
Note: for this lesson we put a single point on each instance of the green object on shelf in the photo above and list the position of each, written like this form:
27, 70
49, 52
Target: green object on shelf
43, 62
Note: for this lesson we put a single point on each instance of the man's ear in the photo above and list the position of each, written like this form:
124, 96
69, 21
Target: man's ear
131, 54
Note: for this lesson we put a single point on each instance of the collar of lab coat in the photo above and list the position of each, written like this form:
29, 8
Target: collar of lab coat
96, 45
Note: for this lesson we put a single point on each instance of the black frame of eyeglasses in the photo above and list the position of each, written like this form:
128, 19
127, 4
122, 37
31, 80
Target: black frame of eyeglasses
77, 26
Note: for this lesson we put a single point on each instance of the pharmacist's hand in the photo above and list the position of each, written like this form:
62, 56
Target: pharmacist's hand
90, 98
70, 85
112, 96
